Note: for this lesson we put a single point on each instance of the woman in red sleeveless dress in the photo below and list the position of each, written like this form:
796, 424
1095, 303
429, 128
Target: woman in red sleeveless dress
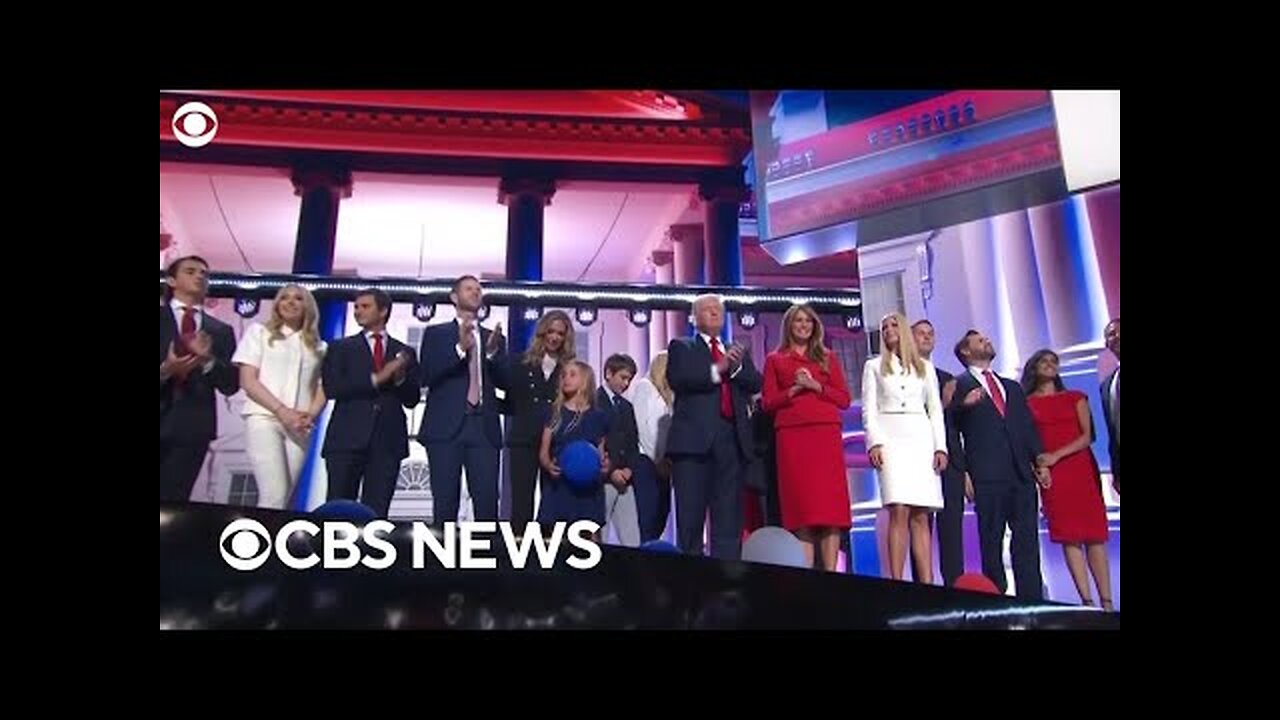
1072, 503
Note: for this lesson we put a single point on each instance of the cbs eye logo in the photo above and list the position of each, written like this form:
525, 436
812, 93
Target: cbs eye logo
195, 124
245, 544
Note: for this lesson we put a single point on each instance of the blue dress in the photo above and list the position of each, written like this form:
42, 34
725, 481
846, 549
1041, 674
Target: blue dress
561, 502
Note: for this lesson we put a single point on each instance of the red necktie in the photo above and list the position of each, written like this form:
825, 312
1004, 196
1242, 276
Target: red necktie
186, 332
188, 321
996, 397
726, 401
379, 356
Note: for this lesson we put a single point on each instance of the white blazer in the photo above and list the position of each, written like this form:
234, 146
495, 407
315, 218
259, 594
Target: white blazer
900, 393
286, 367
653, 418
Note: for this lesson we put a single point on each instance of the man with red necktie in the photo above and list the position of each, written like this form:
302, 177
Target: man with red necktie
195, 360
372, 377
1001, 445
711, 440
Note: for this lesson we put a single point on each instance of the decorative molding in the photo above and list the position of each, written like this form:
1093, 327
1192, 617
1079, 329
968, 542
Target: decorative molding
274, 123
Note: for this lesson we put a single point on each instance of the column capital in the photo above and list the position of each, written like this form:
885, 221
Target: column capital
724, 188
686, 232
663, 257
543, 188
309, 177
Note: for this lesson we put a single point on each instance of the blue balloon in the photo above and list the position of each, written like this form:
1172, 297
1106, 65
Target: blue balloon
580, 465
661, 546
348, 510
775, 546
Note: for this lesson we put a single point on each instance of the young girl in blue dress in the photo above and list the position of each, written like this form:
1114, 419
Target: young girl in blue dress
573, 417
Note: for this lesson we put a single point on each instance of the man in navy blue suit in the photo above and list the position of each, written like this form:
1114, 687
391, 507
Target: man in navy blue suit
195, 360
711, 440
462, 363
1001, 445
950, 519
1111, 402
372, 377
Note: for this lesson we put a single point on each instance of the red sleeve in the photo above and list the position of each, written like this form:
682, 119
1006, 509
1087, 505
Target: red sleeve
775, 396
836, 392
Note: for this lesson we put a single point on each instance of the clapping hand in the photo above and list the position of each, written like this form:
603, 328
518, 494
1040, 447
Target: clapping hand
496, 340
466, 335
805, 380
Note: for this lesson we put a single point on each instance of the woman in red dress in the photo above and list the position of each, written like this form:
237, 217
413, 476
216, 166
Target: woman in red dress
804, 391
1072, 502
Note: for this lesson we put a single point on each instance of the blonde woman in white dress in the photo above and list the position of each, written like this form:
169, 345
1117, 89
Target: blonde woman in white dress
653, 399
280, 372
906, 441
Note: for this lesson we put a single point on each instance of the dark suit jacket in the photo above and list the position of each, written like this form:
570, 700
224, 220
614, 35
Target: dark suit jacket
1113, 441
762, 474
997, 450
445, 376
190, 416
955, 449
697, 406
365, 417
623, 443
528, 401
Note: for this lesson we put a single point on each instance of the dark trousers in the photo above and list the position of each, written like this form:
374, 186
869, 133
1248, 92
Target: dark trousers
179, 467
379, 471
470, 449
950, 528
710, 481
653, 498
1012, 505
524, 478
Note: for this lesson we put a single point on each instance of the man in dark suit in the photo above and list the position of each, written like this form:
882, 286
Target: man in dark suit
1001, 445
950, 520
711, 437
762, 473
373, 378
1111, 402
462, 363
623, 494
195, 359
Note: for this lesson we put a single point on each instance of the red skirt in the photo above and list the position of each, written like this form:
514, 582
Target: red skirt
1073, 504
813, 486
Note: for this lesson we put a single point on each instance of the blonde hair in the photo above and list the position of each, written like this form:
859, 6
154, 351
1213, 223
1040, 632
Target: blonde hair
658, 376
310, 318
585, 393
907, 352
703, 299
538, 348
814, 349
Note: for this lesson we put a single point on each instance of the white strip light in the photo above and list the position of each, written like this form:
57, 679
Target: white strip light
825, 298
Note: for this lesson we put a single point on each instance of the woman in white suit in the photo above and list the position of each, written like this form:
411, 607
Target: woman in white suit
902, 416
652, 399
280, 372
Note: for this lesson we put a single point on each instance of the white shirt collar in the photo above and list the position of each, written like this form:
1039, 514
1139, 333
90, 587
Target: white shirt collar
178, 306
981, 377
980, 373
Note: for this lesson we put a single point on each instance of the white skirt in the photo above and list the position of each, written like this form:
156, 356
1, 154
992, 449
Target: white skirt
906, 475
